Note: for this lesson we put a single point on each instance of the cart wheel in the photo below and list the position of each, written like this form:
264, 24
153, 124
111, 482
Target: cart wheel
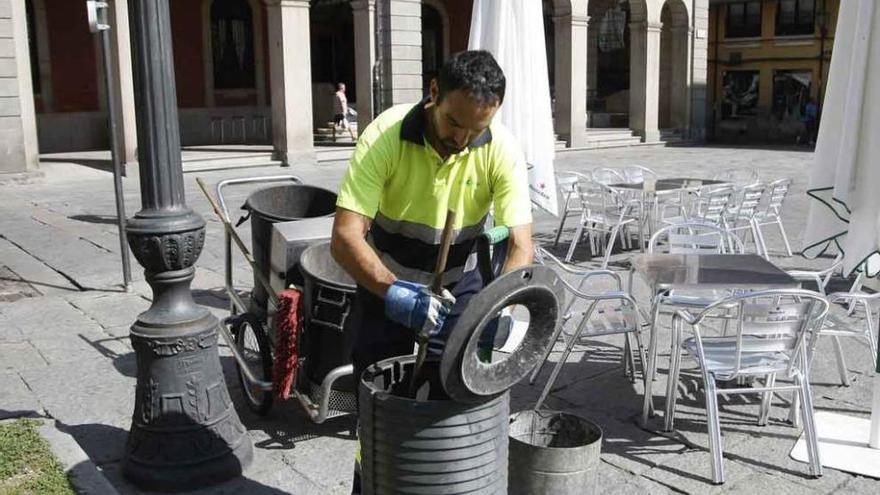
253, 343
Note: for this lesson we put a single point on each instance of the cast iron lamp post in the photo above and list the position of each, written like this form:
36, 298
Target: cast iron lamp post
185, 432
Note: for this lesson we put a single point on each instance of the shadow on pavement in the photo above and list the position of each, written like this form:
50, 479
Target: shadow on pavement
286, 422
96, 439
100, 219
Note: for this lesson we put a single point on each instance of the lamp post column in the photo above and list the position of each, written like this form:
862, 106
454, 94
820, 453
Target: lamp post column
185, 432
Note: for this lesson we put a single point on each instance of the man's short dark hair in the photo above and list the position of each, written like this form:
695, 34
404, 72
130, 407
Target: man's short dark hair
477, 73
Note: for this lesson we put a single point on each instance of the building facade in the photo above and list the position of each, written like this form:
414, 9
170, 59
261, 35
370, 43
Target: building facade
263, 71
767, 60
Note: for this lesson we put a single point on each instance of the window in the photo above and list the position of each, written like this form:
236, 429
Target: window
795, 17
740, 94
743, 20
791, 92
232, 44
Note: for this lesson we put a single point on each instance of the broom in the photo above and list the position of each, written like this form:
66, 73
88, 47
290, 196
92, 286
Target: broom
288, 314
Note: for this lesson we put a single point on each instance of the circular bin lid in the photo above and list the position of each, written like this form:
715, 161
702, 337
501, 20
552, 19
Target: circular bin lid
465, 378
317, 262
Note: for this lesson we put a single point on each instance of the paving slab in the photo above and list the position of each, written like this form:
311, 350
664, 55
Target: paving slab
691, 472
38, 275
9, 332
109, 309
628, 447
20, 356
266, 476
767, 451
80, 468
73, 391
16, 399
859, 485
615, 481
49, 317
769, 483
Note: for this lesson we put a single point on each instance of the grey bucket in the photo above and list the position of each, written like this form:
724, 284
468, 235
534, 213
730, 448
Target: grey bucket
328, 292
435, 446
280, 204
553, 453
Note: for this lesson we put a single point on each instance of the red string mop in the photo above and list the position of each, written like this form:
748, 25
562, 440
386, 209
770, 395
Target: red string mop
288, 325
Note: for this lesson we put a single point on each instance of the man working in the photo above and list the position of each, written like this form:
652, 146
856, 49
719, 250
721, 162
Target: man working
411, 165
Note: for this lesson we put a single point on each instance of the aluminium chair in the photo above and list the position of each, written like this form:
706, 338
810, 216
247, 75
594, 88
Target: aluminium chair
776, 193
773, 333
606, 313
604, 213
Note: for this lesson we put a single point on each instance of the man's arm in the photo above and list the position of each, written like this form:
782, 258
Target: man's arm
520, 251
350, 249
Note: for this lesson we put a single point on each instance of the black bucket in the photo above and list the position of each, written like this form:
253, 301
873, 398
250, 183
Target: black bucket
328, 291
553, 453
280, 204
434, 446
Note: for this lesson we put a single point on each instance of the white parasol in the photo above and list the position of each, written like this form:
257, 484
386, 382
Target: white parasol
844, 181
846, 170
514, 33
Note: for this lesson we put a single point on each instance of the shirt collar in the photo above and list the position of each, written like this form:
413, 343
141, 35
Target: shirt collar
412, 128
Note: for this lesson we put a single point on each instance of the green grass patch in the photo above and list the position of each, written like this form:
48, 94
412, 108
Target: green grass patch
27, 465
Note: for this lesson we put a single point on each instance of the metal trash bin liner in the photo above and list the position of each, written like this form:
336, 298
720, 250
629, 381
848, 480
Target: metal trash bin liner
553, 453
435, 446
328, 291
282, 203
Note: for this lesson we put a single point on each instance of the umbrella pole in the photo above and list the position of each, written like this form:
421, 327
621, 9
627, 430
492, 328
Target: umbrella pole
874, 434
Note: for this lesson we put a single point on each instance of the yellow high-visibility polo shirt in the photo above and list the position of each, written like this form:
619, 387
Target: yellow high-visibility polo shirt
397, 179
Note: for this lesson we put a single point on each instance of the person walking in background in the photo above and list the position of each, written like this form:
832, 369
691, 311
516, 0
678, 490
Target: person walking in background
811, 121
340, 110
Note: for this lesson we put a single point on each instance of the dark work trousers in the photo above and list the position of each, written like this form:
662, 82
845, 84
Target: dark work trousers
376, 338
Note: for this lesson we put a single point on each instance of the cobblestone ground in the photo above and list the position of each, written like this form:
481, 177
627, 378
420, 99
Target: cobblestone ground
65, 355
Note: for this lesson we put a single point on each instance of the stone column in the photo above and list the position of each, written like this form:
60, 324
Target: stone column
18, 124
700, 113
123, 82
364, 58
592, 61
644, 85
571, 76
290, 76
680, 72
400, 44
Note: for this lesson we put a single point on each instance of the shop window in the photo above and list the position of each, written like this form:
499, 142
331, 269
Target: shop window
32, 45
232, 44
795, 17
740, 94
791, 93
743, 20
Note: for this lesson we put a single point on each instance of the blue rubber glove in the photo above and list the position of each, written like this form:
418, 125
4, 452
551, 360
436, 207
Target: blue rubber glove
416, 307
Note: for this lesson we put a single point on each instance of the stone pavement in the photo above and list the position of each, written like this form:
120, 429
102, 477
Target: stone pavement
65, 355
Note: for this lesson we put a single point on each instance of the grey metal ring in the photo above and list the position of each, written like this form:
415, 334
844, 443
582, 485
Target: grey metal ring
467, 379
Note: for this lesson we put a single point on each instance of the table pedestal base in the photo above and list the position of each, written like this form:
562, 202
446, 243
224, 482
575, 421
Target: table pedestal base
843, 445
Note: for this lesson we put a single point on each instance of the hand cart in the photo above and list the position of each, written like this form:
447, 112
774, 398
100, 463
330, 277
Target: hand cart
250, 337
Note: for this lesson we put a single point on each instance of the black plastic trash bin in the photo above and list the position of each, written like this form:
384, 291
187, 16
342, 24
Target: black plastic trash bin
283, 203
328, 291
435, 446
